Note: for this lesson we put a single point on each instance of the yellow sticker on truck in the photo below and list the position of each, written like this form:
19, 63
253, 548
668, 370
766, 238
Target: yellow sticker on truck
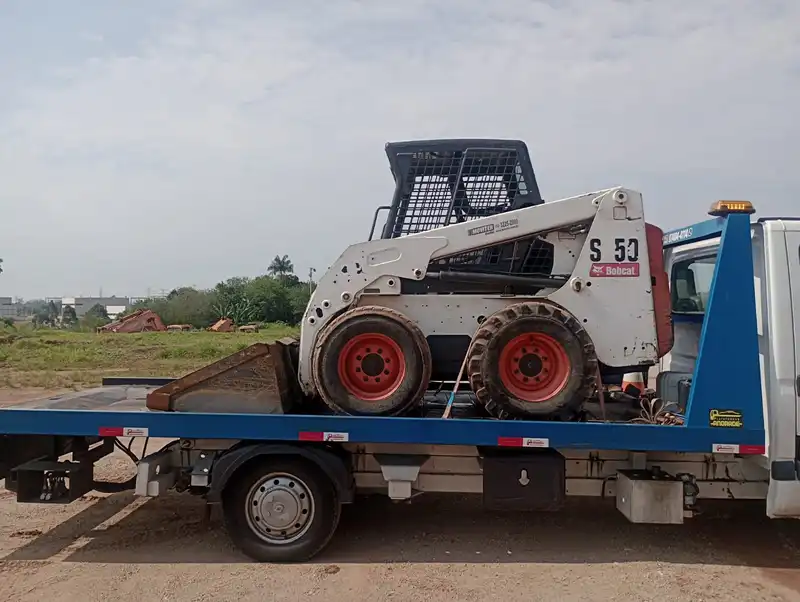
731, 419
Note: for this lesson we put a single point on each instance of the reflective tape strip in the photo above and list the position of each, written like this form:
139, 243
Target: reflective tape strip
522, 442
735, 448
123, 431
323, 436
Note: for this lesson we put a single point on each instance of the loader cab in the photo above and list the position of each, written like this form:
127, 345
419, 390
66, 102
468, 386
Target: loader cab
439, 183
443, 182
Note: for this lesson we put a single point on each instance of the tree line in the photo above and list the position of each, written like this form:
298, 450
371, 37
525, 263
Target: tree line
276, 296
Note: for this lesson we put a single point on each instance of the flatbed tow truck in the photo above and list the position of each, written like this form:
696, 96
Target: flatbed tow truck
281, 479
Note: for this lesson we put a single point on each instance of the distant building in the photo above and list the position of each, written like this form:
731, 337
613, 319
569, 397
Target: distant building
8, 309
113, 305
135, 300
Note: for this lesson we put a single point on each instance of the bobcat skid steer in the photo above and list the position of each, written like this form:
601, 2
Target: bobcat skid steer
536, 300
475, 279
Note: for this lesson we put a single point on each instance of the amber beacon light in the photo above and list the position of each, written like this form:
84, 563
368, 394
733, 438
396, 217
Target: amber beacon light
723, 208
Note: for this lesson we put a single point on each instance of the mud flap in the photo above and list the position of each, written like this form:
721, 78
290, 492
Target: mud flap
260, 379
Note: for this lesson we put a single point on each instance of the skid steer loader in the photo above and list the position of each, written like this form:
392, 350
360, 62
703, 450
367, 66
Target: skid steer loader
536, 299
473, 274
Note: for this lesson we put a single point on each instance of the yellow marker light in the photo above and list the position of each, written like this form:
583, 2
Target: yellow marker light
723, 208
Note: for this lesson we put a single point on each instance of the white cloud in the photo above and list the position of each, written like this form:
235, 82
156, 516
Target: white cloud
238, 130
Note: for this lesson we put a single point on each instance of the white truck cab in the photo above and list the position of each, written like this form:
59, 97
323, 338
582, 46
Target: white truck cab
776, 271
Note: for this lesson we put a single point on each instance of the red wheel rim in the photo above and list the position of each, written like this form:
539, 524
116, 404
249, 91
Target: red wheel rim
371, 366
534, 367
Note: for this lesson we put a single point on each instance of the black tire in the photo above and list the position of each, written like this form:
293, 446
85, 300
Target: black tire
297, 476
411, 352
532, 318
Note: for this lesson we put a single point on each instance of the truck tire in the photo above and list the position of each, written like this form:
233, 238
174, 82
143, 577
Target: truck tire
281, 509
532, 360
371, 361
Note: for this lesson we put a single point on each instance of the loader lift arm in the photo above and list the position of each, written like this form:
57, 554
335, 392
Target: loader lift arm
512, 225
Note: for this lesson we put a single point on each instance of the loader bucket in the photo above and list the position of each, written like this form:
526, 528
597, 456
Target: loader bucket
260, 379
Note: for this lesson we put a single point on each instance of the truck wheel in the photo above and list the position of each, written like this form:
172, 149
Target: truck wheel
281, 510
371, 361
532, 360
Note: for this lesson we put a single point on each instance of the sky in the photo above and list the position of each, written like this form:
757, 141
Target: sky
149, 144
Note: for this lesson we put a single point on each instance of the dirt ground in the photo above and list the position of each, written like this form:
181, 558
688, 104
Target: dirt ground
119, 547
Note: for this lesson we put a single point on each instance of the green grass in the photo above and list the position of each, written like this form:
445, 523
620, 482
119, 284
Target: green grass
56, 359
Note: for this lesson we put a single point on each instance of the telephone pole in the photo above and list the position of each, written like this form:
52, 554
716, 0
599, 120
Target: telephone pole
310, 280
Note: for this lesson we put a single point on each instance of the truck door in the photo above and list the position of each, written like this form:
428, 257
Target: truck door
793, 253
780, 294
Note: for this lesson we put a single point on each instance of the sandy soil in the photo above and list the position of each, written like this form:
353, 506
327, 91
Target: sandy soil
437, 548
9, 397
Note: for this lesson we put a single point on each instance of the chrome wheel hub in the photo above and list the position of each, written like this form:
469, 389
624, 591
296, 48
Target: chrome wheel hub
280, 508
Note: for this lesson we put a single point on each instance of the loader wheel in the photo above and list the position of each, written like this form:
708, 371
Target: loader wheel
372, 361
532, 360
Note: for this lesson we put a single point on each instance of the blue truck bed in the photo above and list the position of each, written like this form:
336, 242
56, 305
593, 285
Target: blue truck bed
120, 411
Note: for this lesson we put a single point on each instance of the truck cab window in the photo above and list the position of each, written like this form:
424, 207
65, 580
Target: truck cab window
691, 283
